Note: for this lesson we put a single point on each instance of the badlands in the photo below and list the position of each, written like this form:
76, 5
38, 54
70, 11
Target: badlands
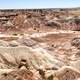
40, 44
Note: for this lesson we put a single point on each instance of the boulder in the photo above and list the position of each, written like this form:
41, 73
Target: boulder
76, 42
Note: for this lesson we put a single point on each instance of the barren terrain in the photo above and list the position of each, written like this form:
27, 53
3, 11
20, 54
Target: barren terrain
41, 44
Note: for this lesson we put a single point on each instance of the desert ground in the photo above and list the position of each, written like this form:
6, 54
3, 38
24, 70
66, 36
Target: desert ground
40, 44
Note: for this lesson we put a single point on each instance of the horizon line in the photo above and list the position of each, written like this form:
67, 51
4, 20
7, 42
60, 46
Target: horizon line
39, 8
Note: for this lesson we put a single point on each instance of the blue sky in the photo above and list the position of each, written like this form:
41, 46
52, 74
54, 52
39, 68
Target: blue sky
5, 4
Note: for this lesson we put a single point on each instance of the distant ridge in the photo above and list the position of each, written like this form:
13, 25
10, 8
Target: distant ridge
37, 9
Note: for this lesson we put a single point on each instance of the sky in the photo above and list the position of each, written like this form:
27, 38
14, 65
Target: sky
24, 4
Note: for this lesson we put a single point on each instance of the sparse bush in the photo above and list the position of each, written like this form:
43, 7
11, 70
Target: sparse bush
15, 34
